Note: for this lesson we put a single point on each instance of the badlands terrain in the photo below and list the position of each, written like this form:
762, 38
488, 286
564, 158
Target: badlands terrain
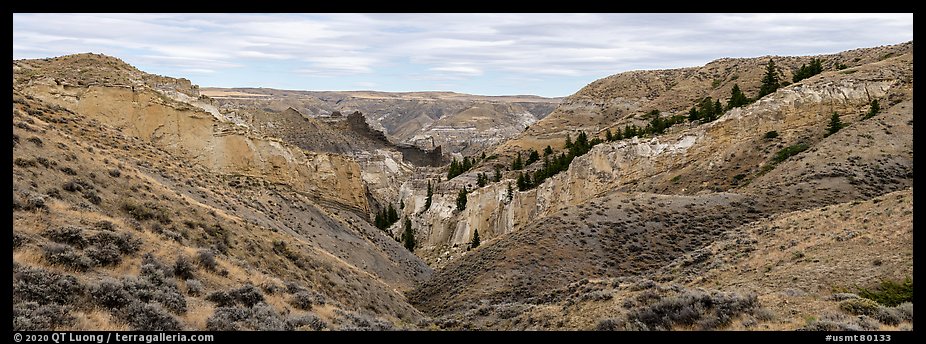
143, 202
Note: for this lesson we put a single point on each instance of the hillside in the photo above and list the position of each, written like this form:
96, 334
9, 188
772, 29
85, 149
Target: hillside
134, 210
578, 225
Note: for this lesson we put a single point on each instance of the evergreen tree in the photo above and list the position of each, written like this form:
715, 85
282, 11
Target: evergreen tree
408, 236
498, 175
617, 135
706, 110
548, 150
608, 135
517, 164
835, 125
392, 215
770, 82
568, 144
475, 242
379, 222
873, 109
427, 201
815, 67
737, 98
401, 204
510, 192
481, 179
693, 114
461, 199
521, 185
532, 157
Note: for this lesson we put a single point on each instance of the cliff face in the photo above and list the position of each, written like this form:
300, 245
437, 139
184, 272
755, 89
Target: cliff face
194, 134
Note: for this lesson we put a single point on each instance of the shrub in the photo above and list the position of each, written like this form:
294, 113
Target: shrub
890, 293
34, 202
73, 236
306, 299
45, 287
93, 197
115, 173
306, 321
149, 317
146, 211
19, 239
110, 294
194, 287
125, 242
183, 267
66, 256
206, 259
105, 255
859, 306
707, 311
247, 295
35, 140
789, 151
609, 324
221, 299
261, 317
906, 311
31, 316
771, 135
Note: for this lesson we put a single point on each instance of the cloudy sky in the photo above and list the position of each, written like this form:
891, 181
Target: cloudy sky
490, 54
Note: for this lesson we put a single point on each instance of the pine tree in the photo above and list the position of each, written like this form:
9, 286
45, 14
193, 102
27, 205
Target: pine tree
532, 157
517, 164
510, 192
392, 216
461, 199
608, 135
427, 201
737, 98
521, 185
401, 204
770, 82
617, 135
568, 144
379, 222
475, 242
693, 114
408, 236
548, 150
873, 109
481, 179
835, 125
498, 175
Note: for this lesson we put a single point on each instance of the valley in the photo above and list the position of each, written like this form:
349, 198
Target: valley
145, 202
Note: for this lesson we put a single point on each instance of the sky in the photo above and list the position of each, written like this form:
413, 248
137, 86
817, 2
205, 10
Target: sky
549, 55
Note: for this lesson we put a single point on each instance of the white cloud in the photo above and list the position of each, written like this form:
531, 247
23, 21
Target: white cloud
449, 46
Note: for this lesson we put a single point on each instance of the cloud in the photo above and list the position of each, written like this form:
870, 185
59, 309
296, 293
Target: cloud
438, 47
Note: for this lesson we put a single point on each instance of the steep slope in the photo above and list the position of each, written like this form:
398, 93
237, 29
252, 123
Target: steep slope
424, 119
571, 229
148, 212
723, 155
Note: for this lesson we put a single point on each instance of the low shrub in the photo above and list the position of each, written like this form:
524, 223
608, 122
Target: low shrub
32, 316
45, 287
149, 317
67, 256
